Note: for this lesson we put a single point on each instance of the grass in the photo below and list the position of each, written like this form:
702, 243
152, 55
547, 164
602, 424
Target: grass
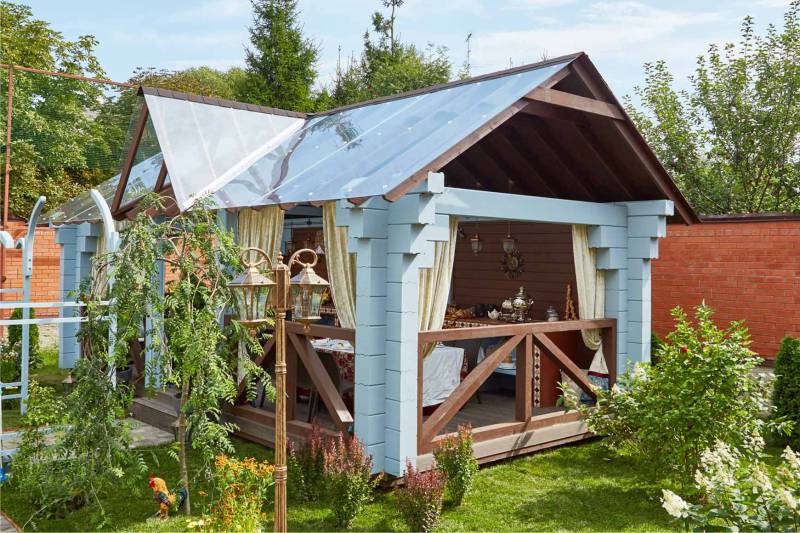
576, 488
48, 374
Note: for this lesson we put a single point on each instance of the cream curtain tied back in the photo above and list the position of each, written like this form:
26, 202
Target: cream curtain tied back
591, 289
341, 267
434, 283
261, 228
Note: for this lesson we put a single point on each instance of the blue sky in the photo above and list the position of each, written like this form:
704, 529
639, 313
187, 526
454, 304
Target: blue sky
619, 35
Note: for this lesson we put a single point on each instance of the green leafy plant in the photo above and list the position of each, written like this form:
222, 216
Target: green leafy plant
15, 339
421, 496
348, 477
730, 139
454, 457
189, 342
240, 487
740, 494
306, 464
786, 391
656, 343
702, 391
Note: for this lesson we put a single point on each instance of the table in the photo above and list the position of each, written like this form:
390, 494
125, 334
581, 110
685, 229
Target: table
441, 370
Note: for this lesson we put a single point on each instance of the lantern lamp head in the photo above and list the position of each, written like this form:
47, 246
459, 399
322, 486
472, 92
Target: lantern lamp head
308, 292
476, 244
509, 244
251, 290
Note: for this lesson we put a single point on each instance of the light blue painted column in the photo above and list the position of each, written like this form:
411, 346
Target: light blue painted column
78, 246
413, 229
367, 233
611, 243
647, 222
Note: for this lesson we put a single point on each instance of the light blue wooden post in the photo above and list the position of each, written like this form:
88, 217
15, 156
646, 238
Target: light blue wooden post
367, 232
647, 222
413, 229
67, 237
611, 244
78, 246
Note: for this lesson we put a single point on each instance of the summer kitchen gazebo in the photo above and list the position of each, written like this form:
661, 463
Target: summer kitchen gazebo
394, 184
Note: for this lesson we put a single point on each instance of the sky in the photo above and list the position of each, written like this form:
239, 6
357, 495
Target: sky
619, 35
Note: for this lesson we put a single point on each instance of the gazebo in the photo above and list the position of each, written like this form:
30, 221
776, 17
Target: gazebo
432, 209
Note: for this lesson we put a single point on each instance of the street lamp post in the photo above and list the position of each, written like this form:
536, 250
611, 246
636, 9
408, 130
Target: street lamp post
303, 294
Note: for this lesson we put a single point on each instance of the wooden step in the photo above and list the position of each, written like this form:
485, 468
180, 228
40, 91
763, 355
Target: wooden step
155, 411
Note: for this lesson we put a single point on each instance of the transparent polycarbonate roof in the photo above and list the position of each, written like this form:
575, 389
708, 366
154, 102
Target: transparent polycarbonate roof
369, 150
243, 157
207, 145
82, 207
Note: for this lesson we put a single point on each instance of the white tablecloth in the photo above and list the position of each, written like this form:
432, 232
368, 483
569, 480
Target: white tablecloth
441, 374
441, 370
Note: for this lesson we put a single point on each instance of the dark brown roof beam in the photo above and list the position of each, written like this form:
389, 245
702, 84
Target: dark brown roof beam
548, 155
456, 170
454, 151
487, 171
551, 112
595, 147
567, 155
515, 153
573, 101
141, 121
514, 173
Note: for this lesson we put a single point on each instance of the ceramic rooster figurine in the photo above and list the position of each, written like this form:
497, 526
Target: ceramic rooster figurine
164, 498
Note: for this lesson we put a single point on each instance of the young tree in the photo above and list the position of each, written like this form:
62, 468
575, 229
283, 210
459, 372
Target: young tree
281, 63
193, 350
732, 141
387, 66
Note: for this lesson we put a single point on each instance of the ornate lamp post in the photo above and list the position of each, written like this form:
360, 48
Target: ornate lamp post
251, 290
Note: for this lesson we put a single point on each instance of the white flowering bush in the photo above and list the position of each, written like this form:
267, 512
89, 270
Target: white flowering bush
702, 390
740, 494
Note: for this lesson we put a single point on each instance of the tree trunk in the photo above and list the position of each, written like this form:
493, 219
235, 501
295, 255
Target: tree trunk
182, 442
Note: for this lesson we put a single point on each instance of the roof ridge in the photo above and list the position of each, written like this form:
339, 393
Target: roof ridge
220, 102
455, 83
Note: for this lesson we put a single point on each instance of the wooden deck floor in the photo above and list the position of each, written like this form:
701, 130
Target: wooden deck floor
493, 408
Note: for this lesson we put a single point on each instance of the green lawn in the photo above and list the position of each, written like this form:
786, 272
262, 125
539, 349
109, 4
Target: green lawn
572, 488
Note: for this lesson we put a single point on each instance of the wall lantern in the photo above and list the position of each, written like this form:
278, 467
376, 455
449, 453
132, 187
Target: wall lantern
476, 243
509, 243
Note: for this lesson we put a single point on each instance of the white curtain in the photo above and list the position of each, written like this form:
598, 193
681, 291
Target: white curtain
341, 267
262, 228
434, 283
591, 294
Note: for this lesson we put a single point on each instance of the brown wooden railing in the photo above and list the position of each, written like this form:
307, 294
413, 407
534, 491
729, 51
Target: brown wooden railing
528, 334
300, 350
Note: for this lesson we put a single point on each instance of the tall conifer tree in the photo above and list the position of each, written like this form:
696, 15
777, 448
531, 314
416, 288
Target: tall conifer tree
281, 62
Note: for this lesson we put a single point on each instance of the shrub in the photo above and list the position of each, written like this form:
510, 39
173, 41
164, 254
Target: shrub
241, 487
307, 466
656, 343
455, 459
702, 391
420, 498
348, 478
15, 339
786, 394
738, 494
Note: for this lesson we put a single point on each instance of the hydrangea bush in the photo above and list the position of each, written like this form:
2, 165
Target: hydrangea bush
740, 494
703, 390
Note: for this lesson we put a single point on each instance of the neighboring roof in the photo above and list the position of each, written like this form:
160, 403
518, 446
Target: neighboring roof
242, 155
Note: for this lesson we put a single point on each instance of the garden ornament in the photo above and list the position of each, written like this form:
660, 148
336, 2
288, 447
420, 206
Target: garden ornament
164, 498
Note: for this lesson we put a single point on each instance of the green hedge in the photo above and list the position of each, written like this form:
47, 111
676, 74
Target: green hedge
786, 394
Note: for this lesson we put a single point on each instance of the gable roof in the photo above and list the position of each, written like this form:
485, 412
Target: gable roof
242, 155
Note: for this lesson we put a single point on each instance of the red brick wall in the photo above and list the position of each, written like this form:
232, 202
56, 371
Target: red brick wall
746, 270
46, 268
